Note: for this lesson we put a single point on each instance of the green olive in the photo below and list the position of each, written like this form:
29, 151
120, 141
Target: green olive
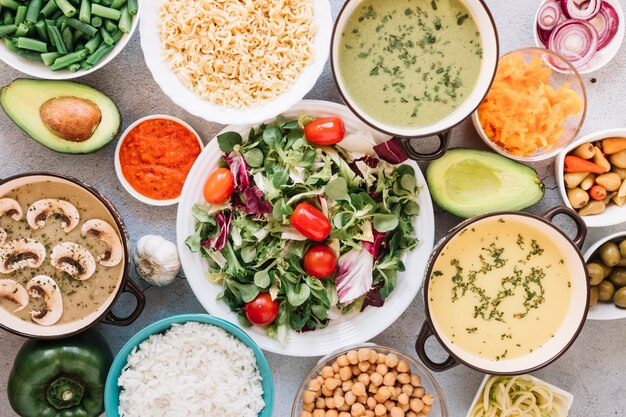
609, 253
618, 277
595, 272
619, 298
622, 262
622, 248
605, 290
593, 296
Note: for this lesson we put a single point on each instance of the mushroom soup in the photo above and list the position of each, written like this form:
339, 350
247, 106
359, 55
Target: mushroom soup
65, 246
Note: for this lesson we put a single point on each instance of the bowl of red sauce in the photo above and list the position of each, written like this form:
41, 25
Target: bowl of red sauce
154, 156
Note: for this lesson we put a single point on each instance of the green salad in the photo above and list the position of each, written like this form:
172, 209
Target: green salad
299, 231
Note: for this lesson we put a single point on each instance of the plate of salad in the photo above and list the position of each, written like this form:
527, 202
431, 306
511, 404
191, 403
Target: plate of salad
298, 231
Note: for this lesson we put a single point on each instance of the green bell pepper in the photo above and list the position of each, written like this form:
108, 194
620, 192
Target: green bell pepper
60, 378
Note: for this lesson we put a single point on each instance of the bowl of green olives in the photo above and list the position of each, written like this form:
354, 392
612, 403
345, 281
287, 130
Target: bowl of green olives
606, 268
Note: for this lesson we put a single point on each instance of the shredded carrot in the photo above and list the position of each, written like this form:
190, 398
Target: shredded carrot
522, 111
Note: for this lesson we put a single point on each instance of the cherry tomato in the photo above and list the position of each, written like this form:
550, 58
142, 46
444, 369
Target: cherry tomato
320, 261
597, 192
219, 186
262, 310
326, 131
310, 222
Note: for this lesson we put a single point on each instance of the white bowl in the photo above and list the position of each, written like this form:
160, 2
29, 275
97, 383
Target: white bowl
605, 311
613, 214
39, 70
569, 398
353, 328
188, 100
606, 54
118, 167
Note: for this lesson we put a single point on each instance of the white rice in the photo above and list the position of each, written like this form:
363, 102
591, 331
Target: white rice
193, 369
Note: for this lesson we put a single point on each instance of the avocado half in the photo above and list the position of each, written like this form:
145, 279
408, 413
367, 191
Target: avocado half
23, 98
468, 182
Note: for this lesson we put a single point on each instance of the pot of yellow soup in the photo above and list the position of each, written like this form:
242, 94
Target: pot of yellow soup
64, 257
505, 293
414, 68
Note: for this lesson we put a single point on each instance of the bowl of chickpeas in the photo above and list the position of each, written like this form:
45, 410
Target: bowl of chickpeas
369, 381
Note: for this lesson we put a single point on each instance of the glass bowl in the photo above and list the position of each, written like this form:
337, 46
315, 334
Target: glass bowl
562, 73
439, 407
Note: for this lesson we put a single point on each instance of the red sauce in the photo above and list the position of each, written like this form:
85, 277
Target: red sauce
156, 157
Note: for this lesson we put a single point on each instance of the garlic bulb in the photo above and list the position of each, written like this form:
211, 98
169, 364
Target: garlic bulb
156, 260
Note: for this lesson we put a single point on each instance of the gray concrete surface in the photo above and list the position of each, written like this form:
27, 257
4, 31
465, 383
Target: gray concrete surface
594, 369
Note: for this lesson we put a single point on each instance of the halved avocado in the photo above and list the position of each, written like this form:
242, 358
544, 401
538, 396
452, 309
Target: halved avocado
469, 182
64, 116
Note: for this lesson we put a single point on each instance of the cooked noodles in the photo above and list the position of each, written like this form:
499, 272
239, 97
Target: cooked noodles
237, 53
518, 396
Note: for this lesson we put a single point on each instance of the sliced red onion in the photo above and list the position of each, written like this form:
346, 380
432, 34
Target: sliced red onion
543, 35
576, 40
606, 23
581, 9
549, 15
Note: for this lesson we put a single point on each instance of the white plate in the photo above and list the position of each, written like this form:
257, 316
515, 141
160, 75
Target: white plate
613, 214
188, 100
605, 311
350, 329
606, 54
569, 398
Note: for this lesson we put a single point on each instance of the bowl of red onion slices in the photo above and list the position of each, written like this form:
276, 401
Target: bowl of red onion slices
588, 33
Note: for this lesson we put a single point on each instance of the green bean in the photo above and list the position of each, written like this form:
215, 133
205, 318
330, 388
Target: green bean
77, 35
117, 35
110, 26
84, 65
106, 3
8, 18
126, 22
68, 60
56, 15
105, 12
20, 15
10, 4
31, 44
133, 7
55, 36
48, 58
29, 55
117, 4
22, 30
68, 39
92, 44
83, 27
49, 9
10, 44
100, 53
32, 14
96, 22
74, 67
42, 32
85, 11
106, 36
66, 7
7, 30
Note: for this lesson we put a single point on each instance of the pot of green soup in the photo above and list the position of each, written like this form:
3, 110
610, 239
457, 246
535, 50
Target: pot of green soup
414, 68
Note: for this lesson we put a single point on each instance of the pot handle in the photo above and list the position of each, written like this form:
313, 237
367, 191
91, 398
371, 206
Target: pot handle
420, 347
444, 140
581, 234
131, 288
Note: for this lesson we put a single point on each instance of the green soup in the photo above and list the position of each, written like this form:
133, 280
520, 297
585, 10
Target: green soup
410, 63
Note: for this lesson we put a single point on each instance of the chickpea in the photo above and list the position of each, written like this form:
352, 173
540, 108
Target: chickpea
382, 369
315, 385
362, 399
319, 413
330, 403
364, 379
427, 399
358, 389
353, 357
405, 407
357, 410
391, 360
382, 395
308, 397
419, 392
373, 356
343, 361
308, 407
416, 380
331, 384
380, 410
344, 414
344, 407
339, 401
376, 379
320, 403
338, 392
410, 413
382, 358
403, 399
327, 372
403, 366
306, 414
389, 380
389, 405
372, 389
404, 378
369, 413
371, 403
332, 413
427, 409
396, 412
346, 385
335, 367
364, 354
356, 371
350, 398
407, 389
327, 392
416, 405
364, 366
345, 373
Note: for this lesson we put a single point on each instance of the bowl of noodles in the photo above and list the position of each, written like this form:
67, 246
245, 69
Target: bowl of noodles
235, 62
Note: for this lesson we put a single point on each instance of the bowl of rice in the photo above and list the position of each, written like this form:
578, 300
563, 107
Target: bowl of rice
236, 62
190, 365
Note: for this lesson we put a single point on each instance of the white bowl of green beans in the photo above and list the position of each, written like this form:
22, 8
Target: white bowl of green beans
64, 39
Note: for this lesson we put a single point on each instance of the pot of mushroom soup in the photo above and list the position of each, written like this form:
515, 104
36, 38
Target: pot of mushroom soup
64, 257
414, 68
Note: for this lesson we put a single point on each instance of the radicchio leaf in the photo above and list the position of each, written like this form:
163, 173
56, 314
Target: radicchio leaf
391, 151
250, 201
371, 161
354, 275
239, 169
223, 220
375, 248
373, 298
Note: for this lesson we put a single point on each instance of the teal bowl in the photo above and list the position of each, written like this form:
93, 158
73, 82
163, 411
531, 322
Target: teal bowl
112, 390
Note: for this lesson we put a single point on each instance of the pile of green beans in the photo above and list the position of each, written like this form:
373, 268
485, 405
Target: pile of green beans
65, 34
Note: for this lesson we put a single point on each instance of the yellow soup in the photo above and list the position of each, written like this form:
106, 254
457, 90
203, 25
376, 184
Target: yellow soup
499, 289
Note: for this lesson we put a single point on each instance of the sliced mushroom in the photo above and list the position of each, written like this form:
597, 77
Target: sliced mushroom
74, 259
3, 236
13, 291
21, 253
40, 210
42, 286
102, 230
10, 207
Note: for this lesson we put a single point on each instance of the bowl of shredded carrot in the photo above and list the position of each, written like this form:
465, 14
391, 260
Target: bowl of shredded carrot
534, 108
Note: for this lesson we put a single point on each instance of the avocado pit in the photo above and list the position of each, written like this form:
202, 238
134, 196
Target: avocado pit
71, 118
